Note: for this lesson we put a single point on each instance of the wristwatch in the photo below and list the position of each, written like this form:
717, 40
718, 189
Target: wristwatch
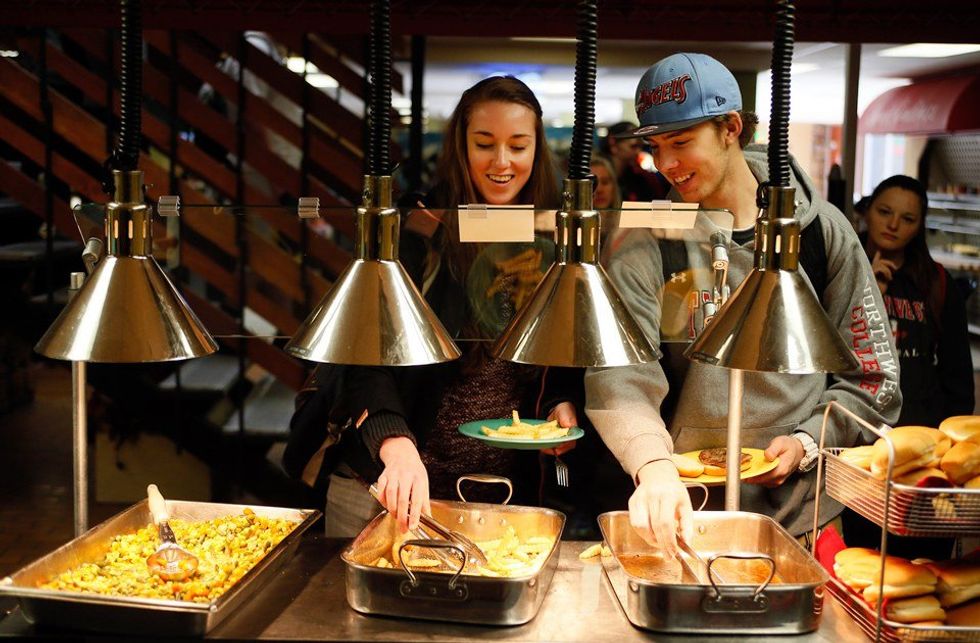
810, 451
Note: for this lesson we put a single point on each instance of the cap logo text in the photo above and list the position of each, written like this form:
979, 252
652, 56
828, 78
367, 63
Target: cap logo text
674, 89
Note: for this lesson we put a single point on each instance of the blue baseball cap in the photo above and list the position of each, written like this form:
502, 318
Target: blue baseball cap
683, 90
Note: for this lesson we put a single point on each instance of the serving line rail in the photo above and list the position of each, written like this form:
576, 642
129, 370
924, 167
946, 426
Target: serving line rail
306, 602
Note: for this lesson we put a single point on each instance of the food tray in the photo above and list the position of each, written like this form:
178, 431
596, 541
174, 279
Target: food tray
892, 632
144, 616
913, 511
666, 599
462, 598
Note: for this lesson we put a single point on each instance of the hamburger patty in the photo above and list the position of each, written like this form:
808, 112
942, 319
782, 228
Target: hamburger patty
718, 457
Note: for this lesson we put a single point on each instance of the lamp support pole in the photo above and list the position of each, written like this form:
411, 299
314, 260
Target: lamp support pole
79, 421
733, 466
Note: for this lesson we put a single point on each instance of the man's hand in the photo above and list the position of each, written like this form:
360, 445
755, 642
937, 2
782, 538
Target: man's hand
565, 414
660, 507
883, 270
403, 486
790, 452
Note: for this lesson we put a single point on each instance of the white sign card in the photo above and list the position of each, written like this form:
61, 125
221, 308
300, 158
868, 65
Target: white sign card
496, 223
658, 214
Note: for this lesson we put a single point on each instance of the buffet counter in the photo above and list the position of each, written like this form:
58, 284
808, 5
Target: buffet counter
306, 601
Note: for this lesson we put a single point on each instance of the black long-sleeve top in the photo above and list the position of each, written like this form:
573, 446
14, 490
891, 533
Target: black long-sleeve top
404, 401
936, 374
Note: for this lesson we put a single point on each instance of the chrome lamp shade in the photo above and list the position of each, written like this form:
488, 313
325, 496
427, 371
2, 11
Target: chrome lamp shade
576, 316
127, 311
374, 314
773, 322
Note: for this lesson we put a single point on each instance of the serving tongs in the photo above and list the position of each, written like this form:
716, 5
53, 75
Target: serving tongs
170, 561
474, 555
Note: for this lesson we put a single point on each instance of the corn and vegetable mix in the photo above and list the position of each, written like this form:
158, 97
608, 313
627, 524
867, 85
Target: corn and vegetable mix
226, 547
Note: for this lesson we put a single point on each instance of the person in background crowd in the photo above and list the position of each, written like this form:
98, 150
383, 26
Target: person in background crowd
606, 195
928, 321
697, 138
635, 183
494, 152
925, 307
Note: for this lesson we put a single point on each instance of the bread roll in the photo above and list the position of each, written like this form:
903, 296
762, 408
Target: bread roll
712, 470
855, 566
912, 444
962, 428
959, 581
972, 483
914, 610
902, 579
913, 478
925, 461
859, 456
965, 615
687, 467
962, 462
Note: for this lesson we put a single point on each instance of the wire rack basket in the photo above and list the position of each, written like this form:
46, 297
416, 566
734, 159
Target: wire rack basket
912, 511
893, 632
899, 509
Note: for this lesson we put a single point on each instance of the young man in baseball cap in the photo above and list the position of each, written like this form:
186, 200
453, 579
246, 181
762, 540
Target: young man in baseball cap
690, 111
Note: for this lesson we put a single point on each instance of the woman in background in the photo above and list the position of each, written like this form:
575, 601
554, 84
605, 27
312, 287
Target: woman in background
924, 304
494, 152
928, 319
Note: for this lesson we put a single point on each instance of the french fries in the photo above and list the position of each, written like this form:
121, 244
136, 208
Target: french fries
518, 430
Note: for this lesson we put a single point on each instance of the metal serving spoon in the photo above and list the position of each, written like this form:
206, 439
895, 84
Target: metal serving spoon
169, 562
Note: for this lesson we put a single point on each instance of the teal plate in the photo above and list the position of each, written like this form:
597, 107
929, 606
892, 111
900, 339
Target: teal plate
472, 429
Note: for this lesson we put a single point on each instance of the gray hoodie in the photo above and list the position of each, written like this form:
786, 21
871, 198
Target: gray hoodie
624, 403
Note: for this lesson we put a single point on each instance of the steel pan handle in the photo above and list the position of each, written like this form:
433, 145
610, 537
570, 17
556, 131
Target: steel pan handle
760, 588
432, 544
485, 478
702, 487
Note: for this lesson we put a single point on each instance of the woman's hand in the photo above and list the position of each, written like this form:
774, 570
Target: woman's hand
661, 507
883, 270
790, 452
566, 416
403, 486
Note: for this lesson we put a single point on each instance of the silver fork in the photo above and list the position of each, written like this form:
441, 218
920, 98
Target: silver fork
561, 472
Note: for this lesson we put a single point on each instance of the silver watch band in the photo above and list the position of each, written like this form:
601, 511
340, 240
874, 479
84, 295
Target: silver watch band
810, 451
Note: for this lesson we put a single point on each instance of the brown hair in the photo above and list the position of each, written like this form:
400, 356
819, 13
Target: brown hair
750, 121
453, 183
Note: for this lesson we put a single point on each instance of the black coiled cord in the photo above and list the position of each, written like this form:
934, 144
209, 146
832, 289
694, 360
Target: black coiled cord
127, 152
782, 60
580, 154
379, 89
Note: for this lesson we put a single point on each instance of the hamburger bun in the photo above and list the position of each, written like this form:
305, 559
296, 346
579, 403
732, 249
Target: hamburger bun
902, 579
858, 456
959, 581
962, 462
914, 610
687, 467
962, 428
965, 615
912, 444
716, 459
925, 461
855, 566
972, 483
913, 478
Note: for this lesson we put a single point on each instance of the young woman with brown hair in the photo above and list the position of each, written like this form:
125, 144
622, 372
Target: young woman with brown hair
494, 153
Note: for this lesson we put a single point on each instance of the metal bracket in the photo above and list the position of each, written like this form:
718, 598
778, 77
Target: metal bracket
435, 590
308, 207
168, 205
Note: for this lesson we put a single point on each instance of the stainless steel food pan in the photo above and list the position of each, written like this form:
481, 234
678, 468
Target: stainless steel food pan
129, 615
747, 593
445, 597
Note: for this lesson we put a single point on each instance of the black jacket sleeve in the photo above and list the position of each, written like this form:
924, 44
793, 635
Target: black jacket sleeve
562, 384
374, 395
954, 363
